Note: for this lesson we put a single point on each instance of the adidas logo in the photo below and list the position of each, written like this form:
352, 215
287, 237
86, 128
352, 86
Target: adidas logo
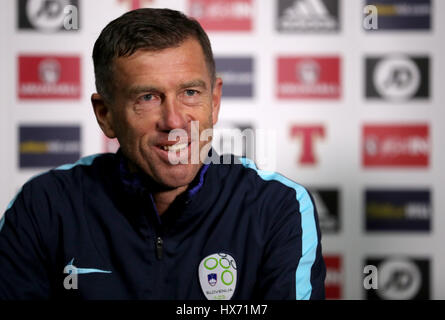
307, 15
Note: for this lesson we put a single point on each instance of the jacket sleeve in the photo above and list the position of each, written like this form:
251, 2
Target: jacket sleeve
293, 266
22, 258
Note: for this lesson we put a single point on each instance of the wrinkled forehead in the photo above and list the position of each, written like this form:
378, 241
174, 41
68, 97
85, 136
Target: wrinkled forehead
188, 56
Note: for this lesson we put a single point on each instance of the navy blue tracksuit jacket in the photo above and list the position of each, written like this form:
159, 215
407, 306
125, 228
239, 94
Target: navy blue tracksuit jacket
100, 218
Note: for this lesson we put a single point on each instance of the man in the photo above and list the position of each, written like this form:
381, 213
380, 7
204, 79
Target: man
138, 225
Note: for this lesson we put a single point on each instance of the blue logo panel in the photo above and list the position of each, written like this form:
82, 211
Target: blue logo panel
403, 14
48, 146
398, 210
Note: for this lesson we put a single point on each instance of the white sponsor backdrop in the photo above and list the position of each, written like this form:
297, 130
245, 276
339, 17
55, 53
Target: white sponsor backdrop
338, 153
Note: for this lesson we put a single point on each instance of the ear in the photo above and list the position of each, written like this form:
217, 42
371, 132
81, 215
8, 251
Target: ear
216, 99
103, 115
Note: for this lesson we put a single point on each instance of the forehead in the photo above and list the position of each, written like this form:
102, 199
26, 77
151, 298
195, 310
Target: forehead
176, 63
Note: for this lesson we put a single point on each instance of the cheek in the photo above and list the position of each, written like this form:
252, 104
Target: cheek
139, 134
129, 132
206, 116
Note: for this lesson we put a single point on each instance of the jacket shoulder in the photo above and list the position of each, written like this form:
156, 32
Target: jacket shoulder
49, 183
274, 182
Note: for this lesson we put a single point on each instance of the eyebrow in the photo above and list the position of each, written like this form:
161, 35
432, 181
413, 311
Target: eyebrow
139, 89
194, 83
190, 84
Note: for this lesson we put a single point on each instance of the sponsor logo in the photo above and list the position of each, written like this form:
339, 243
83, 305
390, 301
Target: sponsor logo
309, 78
307, 133
48, 146
327, 204
401, 278
71, 269
223, 15
397, 78
48, 15
308, 15
396, 145
49, 77
220, 266
237, 75
402, 14
398, 210
71, 281
334, 276
136, 4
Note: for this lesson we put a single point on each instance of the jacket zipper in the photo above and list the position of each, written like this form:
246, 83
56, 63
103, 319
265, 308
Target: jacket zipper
159, 247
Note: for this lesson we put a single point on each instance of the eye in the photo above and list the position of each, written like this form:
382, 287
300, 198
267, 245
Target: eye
190, 93
147, 97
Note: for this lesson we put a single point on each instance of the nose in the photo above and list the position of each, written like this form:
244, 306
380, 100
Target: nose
173, 116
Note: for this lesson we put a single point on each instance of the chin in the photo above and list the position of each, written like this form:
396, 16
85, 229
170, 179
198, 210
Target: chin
178, 176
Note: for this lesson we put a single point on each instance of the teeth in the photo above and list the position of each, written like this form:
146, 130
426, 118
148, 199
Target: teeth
175, 147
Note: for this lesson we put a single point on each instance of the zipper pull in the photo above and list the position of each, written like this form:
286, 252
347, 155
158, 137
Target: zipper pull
159, 245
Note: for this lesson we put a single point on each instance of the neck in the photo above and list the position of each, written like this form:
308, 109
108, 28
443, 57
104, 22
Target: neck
163, 199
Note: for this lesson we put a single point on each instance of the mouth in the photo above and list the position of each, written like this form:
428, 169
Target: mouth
180, 151
175, 147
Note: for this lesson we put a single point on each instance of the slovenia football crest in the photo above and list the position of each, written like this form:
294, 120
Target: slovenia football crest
217, 276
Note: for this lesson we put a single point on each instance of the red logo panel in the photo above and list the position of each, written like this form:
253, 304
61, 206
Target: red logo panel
396, 145
136, 4
223, 15
307, 133
334, 277
49, 77
309, 78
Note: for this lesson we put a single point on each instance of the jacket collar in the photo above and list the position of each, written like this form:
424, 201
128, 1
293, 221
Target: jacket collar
140, 183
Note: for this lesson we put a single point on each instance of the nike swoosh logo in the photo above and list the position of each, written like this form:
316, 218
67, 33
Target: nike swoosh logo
70, 269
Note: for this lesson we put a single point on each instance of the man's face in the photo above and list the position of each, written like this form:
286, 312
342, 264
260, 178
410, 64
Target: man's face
156, 92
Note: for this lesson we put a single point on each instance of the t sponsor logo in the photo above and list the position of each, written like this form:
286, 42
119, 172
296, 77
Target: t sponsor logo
328, 209
48, 146
398, 210
223, 15
48, 15
309, 78
334, 276
49, 77
308, 15
397, 77
237, 75
401, 278
308, 135
403, 15
396, 146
